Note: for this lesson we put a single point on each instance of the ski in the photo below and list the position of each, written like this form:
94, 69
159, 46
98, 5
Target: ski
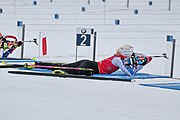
48, 63
15, 62
70, 76
11, 65
55, 69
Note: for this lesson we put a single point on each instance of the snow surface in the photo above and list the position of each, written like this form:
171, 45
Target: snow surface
37, 98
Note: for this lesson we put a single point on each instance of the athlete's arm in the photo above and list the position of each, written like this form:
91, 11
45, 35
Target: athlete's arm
119, 63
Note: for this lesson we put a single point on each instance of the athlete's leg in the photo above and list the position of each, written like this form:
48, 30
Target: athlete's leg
82, 64
75, 64
90, 64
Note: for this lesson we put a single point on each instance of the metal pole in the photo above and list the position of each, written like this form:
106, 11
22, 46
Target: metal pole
172, 60
127, 3
104, 11
94, 47
23, 36
14, 7
88, 1
169, 5
76, 52
39, 50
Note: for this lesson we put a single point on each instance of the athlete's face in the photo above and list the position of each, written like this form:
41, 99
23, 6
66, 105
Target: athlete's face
127, 52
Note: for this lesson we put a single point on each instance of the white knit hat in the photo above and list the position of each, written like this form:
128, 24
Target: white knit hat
125, 50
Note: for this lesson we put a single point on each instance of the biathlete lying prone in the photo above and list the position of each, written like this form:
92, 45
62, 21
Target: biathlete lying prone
125, 59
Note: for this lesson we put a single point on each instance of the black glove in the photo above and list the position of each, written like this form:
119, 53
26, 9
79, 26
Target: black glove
19, 43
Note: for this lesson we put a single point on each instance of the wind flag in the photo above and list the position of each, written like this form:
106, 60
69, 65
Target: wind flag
44, 46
